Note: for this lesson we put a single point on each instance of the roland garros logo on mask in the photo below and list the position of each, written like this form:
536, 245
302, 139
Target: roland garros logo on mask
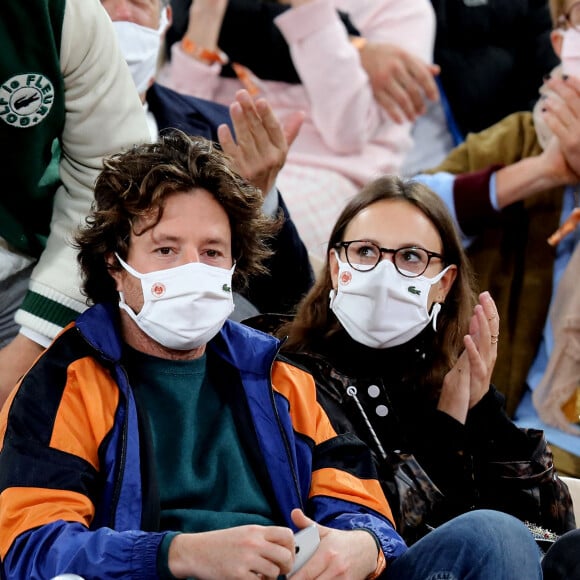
158, 289
25, 100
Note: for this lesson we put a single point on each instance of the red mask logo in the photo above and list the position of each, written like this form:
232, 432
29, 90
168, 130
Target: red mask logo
158, 289
345, 278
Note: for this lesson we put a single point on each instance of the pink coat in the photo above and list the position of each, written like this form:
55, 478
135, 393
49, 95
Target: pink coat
345, 130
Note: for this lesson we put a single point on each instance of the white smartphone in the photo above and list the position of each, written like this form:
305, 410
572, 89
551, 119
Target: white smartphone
306, 541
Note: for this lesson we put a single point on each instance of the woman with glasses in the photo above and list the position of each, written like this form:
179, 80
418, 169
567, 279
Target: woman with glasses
402, 353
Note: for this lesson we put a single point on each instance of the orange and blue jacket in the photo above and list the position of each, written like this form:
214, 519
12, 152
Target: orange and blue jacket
74, 492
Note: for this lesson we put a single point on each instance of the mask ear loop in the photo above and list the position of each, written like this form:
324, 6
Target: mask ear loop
435, 310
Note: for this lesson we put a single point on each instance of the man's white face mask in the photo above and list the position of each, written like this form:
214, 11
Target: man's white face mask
141, 46
382, 308
184, 307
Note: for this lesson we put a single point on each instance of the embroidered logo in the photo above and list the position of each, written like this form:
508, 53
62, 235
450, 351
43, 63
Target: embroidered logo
25, 100
158, 289
345, 278
413, 290
226, 288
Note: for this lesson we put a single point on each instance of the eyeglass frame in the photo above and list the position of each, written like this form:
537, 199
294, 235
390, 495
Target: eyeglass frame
564, 19
393, 252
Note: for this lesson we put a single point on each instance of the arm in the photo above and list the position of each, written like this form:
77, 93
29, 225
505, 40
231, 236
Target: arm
100, 98
191, 74
330, 67
256, 19
259, 152
53, 474
495, 168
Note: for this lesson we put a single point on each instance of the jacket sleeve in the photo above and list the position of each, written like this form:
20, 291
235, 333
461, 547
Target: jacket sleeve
341, 484
329, 66
56, 476
103, 116
491, 463
463, 179
256, 19
290, 274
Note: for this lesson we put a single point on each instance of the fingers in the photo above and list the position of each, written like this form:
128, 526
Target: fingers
491, 314
260, 146
275, 554
300, 519
292, 125
401, 82
270, 125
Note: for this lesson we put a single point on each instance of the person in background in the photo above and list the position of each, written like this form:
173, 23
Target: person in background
402, 82
493, 56
509, 189
402, 355
330, 158
66, 100
173, 442
259, 149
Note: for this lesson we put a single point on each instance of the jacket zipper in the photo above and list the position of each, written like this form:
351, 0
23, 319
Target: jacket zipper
122, 459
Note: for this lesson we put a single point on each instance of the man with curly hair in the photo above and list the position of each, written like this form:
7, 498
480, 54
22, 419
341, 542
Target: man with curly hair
156, 438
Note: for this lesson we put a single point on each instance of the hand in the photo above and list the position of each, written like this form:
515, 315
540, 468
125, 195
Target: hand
262, 142
469, 379
348, 554
400, 81
561, 112
242, 552
15, 359
481, 346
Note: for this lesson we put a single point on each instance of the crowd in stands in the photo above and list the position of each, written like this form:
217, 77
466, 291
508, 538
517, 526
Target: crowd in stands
268, 265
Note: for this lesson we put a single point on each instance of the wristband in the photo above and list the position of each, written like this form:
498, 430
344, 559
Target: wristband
210, 56
359, 42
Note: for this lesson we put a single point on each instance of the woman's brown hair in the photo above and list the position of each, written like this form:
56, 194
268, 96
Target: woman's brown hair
314, 321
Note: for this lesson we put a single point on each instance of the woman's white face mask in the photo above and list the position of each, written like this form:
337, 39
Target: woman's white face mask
140, 47
382, 308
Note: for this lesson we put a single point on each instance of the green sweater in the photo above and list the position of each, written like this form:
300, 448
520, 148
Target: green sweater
203, 473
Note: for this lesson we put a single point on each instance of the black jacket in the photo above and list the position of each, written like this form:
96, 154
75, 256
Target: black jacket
432, 467
487, 463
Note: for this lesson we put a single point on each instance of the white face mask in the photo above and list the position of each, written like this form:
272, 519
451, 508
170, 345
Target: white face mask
184, 307
140, 46
382, 308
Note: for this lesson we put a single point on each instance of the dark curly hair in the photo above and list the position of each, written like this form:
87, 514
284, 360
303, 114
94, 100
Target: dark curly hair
137, 183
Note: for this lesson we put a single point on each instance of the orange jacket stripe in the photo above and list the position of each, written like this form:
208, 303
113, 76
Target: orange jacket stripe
96, 406
25, 508
307, 415
367, 492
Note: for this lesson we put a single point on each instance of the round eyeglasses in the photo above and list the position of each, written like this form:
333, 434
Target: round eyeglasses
411, 261
571, 18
